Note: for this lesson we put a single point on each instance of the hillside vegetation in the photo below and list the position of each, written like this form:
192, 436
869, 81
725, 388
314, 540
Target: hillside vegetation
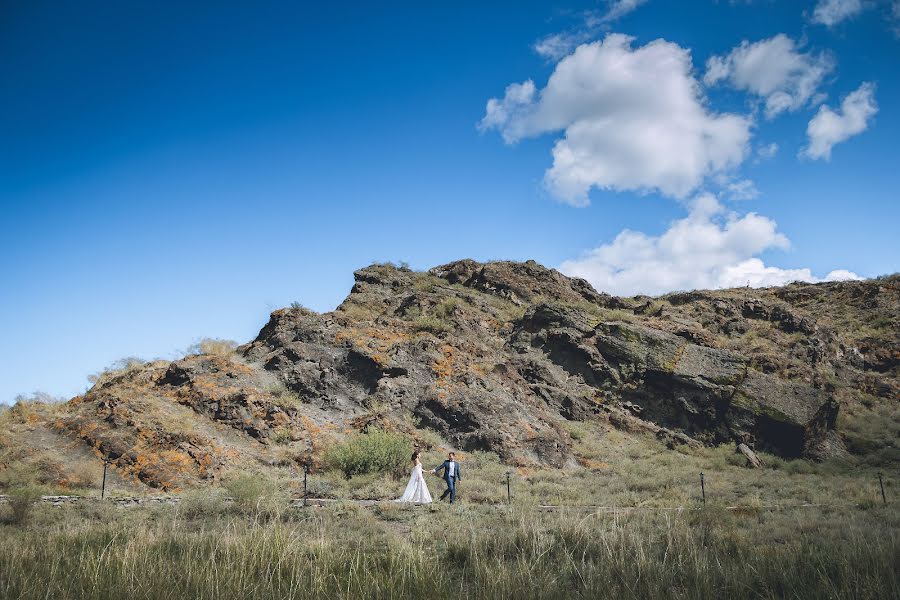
509, 361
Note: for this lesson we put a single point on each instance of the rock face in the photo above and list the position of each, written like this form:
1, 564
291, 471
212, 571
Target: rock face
498, 357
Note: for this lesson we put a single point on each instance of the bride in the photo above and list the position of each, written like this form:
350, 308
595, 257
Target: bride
416, 489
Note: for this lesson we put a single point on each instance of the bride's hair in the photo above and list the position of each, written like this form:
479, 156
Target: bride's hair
415, 455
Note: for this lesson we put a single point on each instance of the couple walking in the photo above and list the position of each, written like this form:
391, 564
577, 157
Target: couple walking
417, 489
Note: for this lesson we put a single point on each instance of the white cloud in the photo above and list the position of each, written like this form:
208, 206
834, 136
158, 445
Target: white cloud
633, 119
772, 69
767, 151
708, 249
832, 12
741, 190
504, 114
557, 45
620, 8
828, 127
894, 17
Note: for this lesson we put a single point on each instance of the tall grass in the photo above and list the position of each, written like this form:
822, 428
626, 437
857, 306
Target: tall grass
459, 552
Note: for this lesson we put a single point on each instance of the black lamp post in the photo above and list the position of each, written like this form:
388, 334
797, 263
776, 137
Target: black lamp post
305, 476
103, 485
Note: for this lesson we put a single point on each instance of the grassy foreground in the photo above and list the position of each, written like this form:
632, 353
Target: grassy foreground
203, 549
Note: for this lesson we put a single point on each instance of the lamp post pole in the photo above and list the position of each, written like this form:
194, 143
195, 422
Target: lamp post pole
103, 485
305, 488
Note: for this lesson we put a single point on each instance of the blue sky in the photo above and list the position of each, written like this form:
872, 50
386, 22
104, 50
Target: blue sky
172, 171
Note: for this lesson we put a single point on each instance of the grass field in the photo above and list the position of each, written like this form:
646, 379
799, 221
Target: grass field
241, 539
209, 550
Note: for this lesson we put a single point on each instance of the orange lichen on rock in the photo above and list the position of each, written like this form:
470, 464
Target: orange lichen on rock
377, 343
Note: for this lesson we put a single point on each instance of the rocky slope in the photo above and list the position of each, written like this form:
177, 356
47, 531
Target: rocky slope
498, 357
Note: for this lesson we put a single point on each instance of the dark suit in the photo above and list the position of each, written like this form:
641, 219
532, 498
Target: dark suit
450, 479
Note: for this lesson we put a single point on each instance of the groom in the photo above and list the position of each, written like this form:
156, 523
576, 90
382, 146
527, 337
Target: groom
451, 476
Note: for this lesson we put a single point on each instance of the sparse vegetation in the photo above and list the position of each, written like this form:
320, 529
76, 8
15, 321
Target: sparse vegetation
214, 347
444, 310
210, 422
256, 494
431, 324
202, 503
119, 367
426, 282
461, 552
282, 396
282, 436
20, 503
37, 397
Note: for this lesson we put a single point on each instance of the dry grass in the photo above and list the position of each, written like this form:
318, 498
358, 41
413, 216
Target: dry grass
214, 347
214, 551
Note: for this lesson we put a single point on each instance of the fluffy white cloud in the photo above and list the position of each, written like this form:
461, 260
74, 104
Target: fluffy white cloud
832, 12
708, 249
773, 69
828, 127
506, 114
634, 119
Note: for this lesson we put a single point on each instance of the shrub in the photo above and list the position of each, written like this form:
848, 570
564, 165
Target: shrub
445, 309
372, 452
38, 397
84, 476
304, 310
425, 282
282, 436
319, 488
431, 325
256, 494
21, 503
427, 439
121, 366
282, 396
213, 347
202, 503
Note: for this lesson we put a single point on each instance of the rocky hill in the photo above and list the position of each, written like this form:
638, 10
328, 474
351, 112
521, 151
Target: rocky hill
498, 357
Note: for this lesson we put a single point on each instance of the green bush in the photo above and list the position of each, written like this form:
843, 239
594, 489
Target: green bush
373, 452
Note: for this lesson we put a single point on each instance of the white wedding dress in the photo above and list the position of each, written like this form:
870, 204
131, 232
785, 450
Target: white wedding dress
416, 489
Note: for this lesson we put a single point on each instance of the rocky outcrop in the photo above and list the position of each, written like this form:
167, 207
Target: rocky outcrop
499, 357
708, 393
